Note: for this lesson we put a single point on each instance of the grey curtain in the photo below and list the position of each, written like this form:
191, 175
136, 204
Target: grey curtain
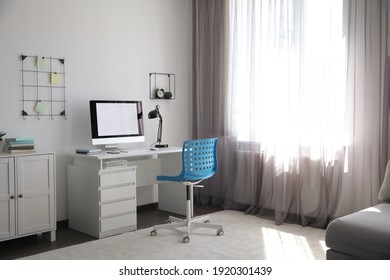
209, 85
308, 192
209, 67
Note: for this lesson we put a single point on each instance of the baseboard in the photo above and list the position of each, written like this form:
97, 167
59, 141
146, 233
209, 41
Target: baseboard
63, 224
147, 207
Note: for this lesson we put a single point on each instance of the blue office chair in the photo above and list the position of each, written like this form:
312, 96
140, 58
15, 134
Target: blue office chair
199, 162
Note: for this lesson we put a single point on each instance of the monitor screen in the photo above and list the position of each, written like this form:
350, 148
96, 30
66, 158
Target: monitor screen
114, 122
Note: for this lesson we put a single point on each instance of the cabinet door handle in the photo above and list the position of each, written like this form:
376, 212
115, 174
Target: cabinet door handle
12, 197
20, 195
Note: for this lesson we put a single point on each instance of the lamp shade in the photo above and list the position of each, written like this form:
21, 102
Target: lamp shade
153, 114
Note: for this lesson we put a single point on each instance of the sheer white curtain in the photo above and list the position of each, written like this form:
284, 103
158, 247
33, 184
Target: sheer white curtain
286, 86
287, 77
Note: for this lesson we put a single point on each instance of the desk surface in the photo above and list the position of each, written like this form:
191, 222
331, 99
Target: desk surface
134, 153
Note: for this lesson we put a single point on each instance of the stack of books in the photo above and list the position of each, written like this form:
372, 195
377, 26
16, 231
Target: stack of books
20, 145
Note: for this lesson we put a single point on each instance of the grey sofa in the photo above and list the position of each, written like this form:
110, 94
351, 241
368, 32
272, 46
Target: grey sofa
364, 235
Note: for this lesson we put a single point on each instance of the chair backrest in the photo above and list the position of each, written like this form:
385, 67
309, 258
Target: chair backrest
199, 159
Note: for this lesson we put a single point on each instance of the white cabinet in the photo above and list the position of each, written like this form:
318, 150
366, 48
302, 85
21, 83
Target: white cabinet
102, 202
27, 195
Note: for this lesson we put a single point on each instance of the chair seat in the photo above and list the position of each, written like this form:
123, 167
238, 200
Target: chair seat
187, 178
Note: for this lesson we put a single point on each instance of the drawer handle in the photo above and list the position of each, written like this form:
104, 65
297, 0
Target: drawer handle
20, 195
12, 197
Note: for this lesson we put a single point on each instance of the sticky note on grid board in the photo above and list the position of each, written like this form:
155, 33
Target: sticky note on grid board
41, 63
41, 107
55, 78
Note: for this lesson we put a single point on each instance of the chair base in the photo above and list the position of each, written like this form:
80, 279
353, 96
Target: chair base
190, 223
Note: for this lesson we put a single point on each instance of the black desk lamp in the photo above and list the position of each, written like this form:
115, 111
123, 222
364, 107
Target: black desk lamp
152, 115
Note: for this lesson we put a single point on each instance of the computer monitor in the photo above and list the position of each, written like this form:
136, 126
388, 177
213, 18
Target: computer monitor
115, 122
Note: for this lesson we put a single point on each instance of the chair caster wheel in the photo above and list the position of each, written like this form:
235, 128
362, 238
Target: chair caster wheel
186, 239
169, 222
220, 232
153, 232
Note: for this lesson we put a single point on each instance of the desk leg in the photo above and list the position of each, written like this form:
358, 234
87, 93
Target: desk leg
171, 195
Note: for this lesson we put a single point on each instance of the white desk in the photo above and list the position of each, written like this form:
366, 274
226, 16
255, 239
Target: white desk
104, 189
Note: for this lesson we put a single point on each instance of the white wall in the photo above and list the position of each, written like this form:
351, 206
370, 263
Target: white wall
110, 48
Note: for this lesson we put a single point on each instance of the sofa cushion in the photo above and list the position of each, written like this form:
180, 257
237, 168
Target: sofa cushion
384, 192
364, 234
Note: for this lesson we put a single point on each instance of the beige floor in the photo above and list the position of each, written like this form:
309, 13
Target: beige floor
245, 237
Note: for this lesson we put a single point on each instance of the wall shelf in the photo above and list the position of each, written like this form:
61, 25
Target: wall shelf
164, 81
43, 86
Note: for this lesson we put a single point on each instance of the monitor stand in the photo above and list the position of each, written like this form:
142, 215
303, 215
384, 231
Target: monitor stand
112, 149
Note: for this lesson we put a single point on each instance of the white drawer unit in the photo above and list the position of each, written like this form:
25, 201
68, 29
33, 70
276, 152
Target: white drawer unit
105, 189
102, 202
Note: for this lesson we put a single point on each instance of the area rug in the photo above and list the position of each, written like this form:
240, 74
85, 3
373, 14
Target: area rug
245, 237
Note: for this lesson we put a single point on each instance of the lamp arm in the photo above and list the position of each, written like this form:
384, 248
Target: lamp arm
158, 114
159, 131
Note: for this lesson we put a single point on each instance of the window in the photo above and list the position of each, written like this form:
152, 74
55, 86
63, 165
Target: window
287, 76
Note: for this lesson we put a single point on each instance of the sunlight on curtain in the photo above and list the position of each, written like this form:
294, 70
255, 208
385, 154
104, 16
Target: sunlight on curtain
287, 78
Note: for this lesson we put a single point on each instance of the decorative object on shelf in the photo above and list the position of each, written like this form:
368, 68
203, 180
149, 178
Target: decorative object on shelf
161, 94
168, 95
2, 133
156, 114
162, 85
43, 86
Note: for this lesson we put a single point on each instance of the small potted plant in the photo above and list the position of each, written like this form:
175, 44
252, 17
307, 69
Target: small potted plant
2, 133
